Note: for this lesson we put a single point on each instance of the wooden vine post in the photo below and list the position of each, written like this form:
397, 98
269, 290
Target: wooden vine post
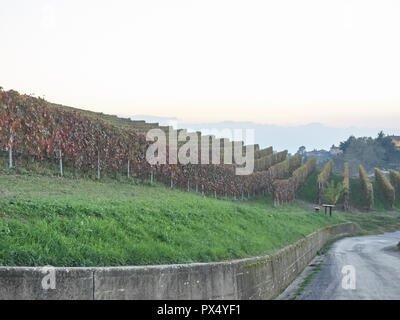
10, 157
98, 165
10, 151
61, 162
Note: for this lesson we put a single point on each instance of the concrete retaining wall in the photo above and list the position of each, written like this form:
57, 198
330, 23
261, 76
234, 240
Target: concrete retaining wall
262, 277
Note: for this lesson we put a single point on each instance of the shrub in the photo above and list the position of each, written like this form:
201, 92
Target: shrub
367, 188
325, 174
395, 180
263, 153
285, 168
332, 193
323, 178
285, 190
295, 162
301, 174
267, 162
385, 185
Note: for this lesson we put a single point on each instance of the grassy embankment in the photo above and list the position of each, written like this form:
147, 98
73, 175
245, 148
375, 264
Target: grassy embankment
67, 222
74, 221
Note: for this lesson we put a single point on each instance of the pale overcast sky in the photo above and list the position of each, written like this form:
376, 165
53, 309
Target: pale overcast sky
282, 62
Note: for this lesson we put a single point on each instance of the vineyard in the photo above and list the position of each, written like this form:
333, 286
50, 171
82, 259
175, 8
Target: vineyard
366, 192
323, 179
140, 214
385, 185
367, 188
32, 129
35, 129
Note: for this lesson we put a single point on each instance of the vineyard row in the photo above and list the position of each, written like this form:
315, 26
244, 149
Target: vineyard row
30, 126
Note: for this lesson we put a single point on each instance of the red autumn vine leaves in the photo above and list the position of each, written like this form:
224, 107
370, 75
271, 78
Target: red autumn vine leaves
31, 126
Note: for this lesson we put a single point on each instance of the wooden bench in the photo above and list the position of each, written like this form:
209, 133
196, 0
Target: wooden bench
326, 206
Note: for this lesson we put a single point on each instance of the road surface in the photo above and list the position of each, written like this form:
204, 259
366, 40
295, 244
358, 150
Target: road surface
372, 261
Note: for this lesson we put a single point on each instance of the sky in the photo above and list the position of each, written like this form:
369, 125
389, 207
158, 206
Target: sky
283, 62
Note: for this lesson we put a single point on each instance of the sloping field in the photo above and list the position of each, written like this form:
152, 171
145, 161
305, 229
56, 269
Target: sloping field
80, 222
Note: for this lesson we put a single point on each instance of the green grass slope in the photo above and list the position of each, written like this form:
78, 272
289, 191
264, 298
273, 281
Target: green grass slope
79, 222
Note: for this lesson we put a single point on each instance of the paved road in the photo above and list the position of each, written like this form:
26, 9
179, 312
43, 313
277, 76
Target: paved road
376, 263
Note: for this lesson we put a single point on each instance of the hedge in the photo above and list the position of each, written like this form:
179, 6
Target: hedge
395, 180
267, 162
323, 178
385, 185
367, 188
285, 168
263, 153
284, 190
301, 174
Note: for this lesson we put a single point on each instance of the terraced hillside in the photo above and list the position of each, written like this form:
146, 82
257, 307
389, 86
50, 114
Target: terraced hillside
33, 129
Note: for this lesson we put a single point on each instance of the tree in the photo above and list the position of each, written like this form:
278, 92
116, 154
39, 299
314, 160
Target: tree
302, 150
332, 193
377, 152
344, 145
391, 152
